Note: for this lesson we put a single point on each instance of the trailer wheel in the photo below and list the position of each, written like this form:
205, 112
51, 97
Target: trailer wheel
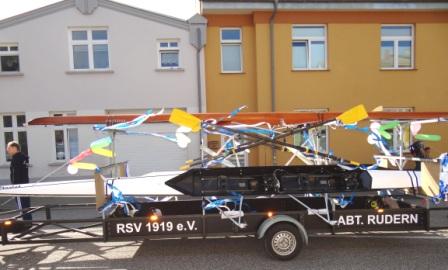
283, 241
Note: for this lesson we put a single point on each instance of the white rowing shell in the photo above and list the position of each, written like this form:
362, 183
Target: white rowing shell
151, 184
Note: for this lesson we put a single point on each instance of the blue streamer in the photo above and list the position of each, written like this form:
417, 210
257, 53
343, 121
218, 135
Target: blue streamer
118, 199
259, 131
367, 130
216, 203
345, 202
236, 111
443, 190
126, 125
444, 162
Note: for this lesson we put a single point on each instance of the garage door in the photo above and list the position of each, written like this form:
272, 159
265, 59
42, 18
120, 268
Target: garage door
146, 153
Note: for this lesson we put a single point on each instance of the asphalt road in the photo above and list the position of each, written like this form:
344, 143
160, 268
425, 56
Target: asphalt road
422, 251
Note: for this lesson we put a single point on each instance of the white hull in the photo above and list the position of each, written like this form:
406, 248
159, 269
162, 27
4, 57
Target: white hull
152, 184
394, 179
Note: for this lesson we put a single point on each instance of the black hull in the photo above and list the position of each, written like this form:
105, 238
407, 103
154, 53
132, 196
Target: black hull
270, 180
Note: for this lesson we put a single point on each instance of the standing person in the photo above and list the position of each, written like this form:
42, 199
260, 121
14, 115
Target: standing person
19, 173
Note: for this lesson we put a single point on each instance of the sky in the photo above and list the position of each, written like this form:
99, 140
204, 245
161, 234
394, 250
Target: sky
182, 9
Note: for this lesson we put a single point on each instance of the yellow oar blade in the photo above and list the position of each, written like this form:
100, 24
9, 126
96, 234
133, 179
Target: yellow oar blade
378, 109
85, 166
103, 152
182, 118
353, 115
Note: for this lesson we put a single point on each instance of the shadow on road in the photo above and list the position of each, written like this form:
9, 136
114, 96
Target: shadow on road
322, 253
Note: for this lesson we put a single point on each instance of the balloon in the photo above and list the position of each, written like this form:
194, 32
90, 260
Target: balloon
81, 156
387, 126
428, 137
101, 143
85, 166
103, 152
182, 140
183, 129
372, 139
72, 169
374, 127
415, 128
385, 134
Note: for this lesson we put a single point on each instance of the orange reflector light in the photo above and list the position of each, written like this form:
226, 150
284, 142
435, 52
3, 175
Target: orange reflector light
7, 223
380, 211
153, 218
270, 214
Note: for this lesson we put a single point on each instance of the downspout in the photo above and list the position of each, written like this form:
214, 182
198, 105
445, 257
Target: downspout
199, 82
197, 30
272, 52
198, 67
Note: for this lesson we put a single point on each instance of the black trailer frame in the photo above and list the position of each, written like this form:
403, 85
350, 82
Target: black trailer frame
295, 216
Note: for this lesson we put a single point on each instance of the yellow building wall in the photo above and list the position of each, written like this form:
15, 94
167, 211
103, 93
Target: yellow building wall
353, 77
227, 91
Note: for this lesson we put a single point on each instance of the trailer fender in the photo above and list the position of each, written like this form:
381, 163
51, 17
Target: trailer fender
264, 227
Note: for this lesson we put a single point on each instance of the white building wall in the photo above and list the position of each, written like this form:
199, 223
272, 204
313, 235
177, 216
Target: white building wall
134, 82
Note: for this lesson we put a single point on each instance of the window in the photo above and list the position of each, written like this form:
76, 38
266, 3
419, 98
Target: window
9, 58
397, 47
168, 54
309, 47
66, 140
231, 56
394, 142
12, 128
89, 49
315, 137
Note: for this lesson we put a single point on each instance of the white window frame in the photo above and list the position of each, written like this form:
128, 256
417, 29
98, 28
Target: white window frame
168, 49
396, 39
327, 136
89, 42
395, 134
64, 128
10, 53
234, 42
308, 41
15, 133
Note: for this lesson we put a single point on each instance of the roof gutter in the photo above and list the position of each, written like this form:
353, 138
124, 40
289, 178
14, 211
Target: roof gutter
216, 7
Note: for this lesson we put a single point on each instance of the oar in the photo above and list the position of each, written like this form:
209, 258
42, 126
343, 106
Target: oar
350, 116
275, 142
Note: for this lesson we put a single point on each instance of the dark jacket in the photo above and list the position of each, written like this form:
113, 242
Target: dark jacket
19, 169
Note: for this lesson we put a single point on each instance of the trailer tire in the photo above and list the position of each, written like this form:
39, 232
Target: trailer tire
283, 241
